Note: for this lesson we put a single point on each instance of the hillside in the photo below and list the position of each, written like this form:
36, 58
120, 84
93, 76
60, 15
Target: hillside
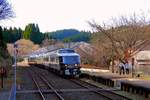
66, 35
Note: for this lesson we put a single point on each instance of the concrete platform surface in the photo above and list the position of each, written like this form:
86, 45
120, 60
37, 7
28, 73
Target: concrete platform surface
103, 73
138, 82
106, 74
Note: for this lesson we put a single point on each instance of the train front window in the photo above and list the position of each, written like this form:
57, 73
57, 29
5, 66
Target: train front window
71, 60
66, 51
60, 60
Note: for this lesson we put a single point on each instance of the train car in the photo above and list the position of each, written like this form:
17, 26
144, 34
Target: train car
31, 60
65, 62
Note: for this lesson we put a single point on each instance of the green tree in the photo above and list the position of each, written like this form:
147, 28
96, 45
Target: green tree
27, 32
11, 35
1, 37
36, 36
3, 50
32, 32
16, 35
5, 13
72, 34
67, 40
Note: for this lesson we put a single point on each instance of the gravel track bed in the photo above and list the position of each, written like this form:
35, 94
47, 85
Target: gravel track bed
43, 86
61, 83
57, 82
106, 93
28, 84
25, 84
26, 80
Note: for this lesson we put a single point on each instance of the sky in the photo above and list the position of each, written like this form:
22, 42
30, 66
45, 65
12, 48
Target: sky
53, 15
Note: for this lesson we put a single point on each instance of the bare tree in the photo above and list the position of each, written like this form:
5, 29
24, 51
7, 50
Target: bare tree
123, 34
6, 11
47, 42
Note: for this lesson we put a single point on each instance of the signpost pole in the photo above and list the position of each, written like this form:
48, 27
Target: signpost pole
15, 58
2, 77
132, 67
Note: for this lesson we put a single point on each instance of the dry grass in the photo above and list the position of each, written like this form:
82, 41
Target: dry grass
24, 47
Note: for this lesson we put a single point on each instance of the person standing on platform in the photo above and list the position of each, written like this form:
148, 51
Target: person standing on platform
121, 67
127, 67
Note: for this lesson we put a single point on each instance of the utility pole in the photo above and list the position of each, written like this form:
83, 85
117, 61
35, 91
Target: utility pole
15, 65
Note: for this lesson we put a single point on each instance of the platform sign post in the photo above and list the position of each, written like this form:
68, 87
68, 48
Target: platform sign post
15, 65
132, 67
2, 76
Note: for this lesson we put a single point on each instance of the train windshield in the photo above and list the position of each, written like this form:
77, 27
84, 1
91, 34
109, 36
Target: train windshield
71, 60
66, 51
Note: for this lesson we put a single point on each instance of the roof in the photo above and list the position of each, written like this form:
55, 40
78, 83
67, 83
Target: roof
143, 55
68, 54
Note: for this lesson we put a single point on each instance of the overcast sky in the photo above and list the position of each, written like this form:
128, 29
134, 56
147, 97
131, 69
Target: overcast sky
53, 15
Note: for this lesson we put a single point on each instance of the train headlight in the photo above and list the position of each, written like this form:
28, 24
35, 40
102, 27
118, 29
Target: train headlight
76, 64
66, 65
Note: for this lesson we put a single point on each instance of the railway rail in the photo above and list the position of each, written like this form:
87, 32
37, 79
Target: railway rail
104, 92
38, 87
40, 91
67, 89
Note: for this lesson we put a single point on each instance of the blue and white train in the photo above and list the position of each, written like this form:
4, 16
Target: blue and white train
65, 62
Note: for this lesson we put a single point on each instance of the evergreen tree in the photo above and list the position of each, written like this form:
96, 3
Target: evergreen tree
1, 37
2, 42
3, 50
5, 13
32, 32
27, 32
36, 35
11, 35
20, 33
37, 28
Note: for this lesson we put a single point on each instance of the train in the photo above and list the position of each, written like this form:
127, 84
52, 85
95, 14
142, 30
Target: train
65, 62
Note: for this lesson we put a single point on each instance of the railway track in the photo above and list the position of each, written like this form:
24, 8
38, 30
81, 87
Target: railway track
40, 88
103, 92
70, 89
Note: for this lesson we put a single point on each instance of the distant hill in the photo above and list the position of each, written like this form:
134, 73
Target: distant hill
72, 35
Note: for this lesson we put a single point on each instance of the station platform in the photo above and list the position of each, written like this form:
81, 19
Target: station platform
104, 76
136, 86
123, 82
